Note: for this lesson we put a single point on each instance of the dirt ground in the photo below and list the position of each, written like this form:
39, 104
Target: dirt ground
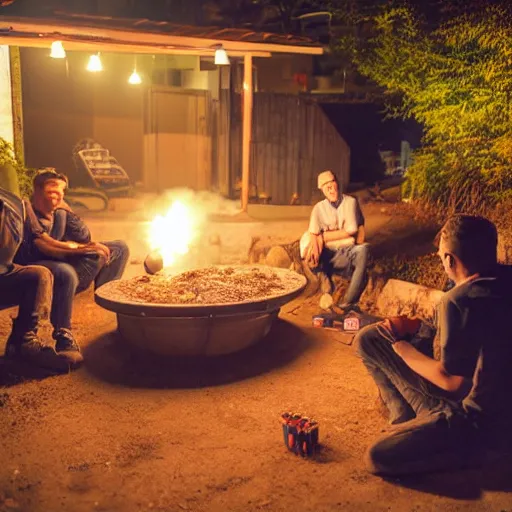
133, 432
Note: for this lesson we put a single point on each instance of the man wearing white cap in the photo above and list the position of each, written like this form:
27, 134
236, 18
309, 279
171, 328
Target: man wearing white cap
334, 242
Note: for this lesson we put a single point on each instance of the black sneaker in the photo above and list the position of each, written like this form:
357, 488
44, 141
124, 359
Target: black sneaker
348, 307
29, 348
66, 344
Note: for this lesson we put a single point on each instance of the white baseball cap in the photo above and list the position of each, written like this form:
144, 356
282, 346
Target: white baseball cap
325, 177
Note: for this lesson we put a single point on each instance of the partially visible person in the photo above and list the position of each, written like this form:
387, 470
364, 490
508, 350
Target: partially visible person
78, 262
29, 287
454, 409
334, 242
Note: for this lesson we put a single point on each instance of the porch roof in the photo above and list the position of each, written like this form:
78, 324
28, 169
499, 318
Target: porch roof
84, 32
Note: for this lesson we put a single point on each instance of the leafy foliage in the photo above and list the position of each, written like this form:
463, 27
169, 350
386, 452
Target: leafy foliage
8, 158
455, 80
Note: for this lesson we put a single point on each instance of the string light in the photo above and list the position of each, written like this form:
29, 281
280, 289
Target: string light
95, 65
57, 51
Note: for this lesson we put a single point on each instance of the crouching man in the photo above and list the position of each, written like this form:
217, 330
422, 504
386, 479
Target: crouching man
334, 242
453, 407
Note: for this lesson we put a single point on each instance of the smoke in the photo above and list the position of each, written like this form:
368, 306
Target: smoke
205, 203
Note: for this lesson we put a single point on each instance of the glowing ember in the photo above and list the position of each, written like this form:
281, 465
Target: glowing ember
171, 235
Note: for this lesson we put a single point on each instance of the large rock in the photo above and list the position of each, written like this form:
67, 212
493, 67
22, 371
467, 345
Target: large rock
404, 298
282, 253
261, 247
279, 257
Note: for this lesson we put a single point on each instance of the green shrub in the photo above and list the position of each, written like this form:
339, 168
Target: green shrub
454, 80
8, 158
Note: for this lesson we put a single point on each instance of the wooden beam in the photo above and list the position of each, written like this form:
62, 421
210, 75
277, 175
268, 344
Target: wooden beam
114, 47
59, 29
247, 130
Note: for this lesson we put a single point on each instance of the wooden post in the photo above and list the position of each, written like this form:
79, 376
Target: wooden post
247, 130
17, 104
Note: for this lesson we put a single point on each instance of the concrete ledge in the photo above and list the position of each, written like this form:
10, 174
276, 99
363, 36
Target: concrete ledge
404, 298
278, 212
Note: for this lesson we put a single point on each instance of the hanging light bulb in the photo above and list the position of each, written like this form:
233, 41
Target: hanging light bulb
221, 57
135, 78
95, 64
57, 51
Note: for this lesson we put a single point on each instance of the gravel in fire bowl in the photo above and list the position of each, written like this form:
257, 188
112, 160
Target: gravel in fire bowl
212, 285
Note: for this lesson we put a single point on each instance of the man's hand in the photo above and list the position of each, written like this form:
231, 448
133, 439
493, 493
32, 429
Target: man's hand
432, 370
398, 328
402, 326
316, 246
336, 234
64, 250
101, 248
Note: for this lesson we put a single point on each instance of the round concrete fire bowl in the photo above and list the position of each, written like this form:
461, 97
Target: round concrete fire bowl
182, 324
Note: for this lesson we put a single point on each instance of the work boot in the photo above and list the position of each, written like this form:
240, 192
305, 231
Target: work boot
26, 346
66, 344
349, 307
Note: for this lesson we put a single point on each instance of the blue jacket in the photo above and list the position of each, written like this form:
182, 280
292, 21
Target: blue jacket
17, 223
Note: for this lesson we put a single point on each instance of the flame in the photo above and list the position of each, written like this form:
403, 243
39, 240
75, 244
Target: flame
172, 234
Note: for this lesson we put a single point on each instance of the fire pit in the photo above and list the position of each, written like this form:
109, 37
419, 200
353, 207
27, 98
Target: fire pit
211, 311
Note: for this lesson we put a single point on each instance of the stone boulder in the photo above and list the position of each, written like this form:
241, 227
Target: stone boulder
410, 299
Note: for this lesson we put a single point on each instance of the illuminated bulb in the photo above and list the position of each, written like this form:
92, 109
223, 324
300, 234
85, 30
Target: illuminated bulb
57, 51
94, 64
221, 57
135, 78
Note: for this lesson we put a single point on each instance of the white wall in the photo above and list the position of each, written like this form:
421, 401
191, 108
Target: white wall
6, 117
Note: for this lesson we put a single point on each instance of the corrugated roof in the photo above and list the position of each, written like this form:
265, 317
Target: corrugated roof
105, 33
166, 27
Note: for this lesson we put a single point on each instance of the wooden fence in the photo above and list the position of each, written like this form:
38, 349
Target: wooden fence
293, 140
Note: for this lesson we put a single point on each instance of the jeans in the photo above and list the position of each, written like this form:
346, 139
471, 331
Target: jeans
441, 435
30, 287
353, 262
77, 275
89, 270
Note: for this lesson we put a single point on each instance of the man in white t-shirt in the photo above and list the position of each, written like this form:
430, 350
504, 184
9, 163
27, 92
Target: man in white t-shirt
334, 242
